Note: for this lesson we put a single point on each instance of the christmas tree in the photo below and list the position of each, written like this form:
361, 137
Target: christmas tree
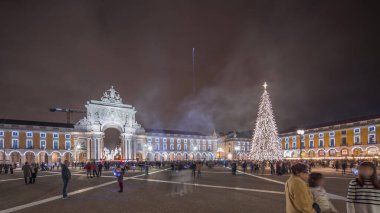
265, 141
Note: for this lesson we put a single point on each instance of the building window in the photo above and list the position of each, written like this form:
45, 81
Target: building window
42, 144
320, 135
149, 140
171, 147
1, 143
286, 139
209, 148
311, 144
303, 144
371, 129
243, 148
15, 144
356, 139
164, 147
139, 146
321, 143
198, 141
371, 138
311, 136
344, 141
204, 147
67, 145
191, 147
29, 144
294, 138
157, 148
332, 142
294, 145
55, 144
185, 141
29, 134
332, 134
357, 130
171, 140
286, 145
164, 140
67, 136
179, 147
1, 133
42, 135
178, 140
191, 141
55, 135
15, 133
184, 147
157, 140
343, 132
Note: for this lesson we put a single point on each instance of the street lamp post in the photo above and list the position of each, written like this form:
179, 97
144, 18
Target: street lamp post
301, 132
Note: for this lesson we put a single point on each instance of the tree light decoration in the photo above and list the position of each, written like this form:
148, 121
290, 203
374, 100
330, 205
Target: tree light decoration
265, 141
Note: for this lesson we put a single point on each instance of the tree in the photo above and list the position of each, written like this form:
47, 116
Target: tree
265, 140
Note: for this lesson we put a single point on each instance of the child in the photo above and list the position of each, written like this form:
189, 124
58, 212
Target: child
316, 184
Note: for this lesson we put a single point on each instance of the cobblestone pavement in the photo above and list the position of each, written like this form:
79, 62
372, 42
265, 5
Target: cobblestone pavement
162, 191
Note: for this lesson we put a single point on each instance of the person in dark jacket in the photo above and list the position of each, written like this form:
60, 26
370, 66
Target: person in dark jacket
27, 170
119, 173
233, 168
66, 176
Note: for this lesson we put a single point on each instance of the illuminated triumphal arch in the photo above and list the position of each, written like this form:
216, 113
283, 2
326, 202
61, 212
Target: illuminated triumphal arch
108, 113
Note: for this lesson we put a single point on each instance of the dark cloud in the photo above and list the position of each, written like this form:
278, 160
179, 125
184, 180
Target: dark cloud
320, 59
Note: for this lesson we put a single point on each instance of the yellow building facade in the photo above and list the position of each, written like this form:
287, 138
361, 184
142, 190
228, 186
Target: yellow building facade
352, 138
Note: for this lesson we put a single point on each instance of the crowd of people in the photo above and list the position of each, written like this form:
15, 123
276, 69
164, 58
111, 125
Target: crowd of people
304, 189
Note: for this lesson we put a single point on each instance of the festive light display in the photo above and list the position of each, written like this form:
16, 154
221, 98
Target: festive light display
265, 142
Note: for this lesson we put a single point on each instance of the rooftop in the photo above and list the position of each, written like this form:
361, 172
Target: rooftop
174, 132
333, 123
35, 123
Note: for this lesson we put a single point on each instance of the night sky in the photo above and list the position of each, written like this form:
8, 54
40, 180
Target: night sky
320, 58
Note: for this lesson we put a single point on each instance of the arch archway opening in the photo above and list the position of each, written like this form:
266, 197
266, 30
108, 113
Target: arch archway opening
112, 144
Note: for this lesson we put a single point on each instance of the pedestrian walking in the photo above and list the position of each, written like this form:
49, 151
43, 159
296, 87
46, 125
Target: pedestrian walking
27, 170
199, 169
363, 194
88, 170
316, 184
233, 168
298, 196
119, 174
100, 168
344, 167
193, 168
66, 176
34, 173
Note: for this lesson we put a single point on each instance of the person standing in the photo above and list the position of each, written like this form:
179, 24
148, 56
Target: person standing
233, 168
363, 194
298, 196
34, 173
199, 169
27, 170
193, 168
100, 168
88, 169
66, 176
119, 173
344, 167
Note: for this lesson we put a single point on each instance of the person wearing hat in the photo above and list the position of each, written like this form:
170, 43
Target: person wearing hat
298, 196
